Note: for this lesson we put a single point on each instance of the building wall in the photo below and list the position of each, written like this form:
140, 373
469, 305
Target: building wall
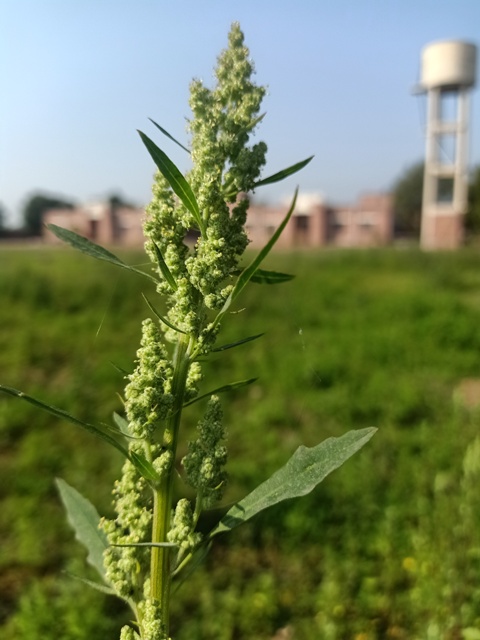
100, 223
368, 223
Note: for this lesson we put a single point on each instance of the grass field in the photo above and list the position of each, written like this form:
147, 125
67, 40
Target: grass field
387, 547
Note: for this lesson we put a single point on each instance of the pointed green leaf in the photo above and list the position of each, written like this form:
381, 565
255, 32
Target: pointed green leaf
300, 475
176, 180
122, 424
256, 121
226, 387
167, 274
84, 519
165, 133
160, 317
250, 271
94, 585
261, 276
144, 467
60, 413
91, 249
281, 175
120, 369
166, 545
188, 566
231, 345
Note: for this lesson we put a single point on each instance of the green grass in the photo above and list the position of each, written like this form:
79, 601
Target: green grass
387, 547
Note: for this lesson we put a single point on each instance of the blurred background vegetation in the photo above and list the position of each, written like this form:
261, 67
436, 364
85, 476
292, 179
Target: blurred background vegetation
387, 547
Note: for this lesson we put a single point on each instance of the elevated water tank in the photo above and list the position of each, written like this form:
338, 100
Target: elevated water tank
448, 63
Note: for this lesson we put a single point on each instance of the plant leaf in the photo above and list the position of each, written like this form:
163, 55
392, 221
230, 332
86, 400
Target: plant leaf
261, 276
281, 175
60, 413
91, 249
224, 347
166, 545
301, 474
122, 424
120, 369
175, 178
167, 274
144, 467
250, 271
94, 585
227, 387
165, 133
160, 317
84, 519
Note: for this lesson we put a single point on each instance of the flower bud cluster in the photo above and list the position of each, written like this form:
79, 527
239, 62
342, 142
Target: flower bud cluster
148, 396
182, 532
125, 566
152, 626
206, 458
127, 633
223, 167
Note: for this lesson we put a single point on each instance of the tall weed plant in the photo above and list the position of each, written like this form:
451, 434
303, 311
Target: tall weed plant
152, 543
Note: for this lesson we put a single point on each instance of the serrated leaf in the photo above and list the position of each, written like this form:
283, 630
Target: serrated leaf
84, 519
60, 413
281, 175
167, 274
227, 387
165, 133
91, 249
299, 476
231, 345
175, 178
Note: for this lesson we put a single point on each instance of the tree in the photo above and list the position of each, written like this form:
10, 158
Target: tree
2, 217
36, 206
407, 199
116, 200
472, 219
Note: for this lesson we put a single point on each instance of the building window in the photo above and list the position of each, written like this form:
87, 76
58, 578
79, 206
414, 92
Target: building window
93, 231
445, 190
302, 222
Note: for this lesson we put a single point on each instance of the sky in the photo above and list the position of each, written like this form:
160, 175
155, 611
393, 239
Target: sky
79, 77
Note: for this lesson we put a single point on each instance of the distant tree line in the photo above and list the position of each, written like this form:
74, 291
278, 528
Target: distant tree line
407, 201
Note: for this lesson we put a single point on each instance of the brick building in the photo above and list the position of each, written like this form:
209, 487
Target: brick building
103, 223
368, 223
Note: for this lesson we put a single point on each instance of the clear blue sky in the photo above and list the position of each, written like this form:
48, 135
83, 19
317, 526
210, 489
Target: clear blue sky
78, 77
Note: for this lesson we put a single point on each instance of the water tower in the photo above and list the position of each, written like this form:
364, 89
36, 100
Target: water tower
447, 76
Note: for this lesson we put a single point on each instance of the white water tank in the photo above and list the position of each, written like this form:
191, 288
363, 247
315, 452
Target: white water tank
449, 63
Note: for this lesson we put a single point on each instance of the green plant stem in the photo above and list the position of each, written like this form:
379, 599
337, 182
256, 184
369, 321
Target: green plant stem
162, 497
